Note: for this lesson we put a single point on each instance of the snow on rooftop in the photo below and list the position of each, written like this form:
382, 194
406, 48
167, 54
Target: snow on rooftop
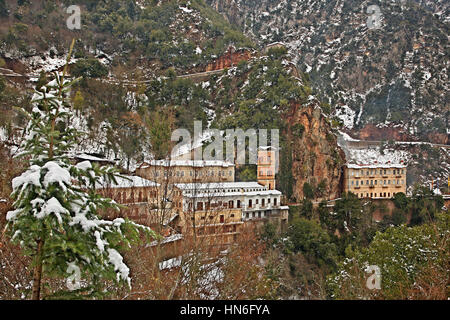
187, 163
218, 185
172, 238
374, 158
126, 181
88, 157
171, 263
371, 156
226, 189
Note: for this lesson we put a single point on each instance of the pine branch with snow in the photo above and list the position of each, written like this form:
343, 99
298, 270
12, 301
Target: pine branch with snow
56, 217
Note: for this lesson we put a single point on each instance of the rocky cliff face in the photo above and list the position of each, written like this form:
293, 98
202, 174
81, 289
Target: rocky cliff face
230, 59
316, 157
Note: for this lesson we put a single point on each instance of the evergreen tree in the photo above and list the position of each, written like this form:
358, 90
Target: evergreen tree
349, 212
56, 205
78, 102
3, 8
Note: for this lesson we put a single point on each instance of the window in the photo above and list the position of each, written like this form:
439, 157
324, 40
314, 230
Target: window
250, 203
275, 201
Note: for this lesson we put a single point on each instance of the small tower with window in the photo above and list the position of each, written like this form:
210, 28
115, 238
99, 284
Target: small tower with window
267, 167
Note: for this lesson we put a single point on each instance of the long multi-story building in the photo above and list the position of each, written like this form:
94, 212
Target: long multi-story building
220, 209
201, 198
139, 195
375, 180
187, 171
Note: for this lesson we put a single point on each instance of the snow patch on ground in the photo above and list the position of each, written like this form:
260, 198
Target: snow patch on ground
346, 115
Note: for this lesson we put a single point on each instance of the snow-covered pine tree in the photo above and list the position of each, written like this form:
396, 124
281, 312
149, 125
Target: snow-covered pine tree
55, 218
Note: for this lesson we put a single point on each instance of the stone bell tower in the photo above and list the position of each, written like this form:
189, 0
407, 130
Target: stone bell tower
266, 167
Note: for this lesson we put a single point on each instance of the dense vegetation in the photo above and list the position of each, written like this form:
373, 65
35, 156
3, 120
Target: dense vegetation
331, 248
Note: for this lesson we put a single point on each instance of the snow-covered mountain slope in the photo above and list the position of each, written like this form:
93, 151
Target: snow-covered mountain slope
394, 74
